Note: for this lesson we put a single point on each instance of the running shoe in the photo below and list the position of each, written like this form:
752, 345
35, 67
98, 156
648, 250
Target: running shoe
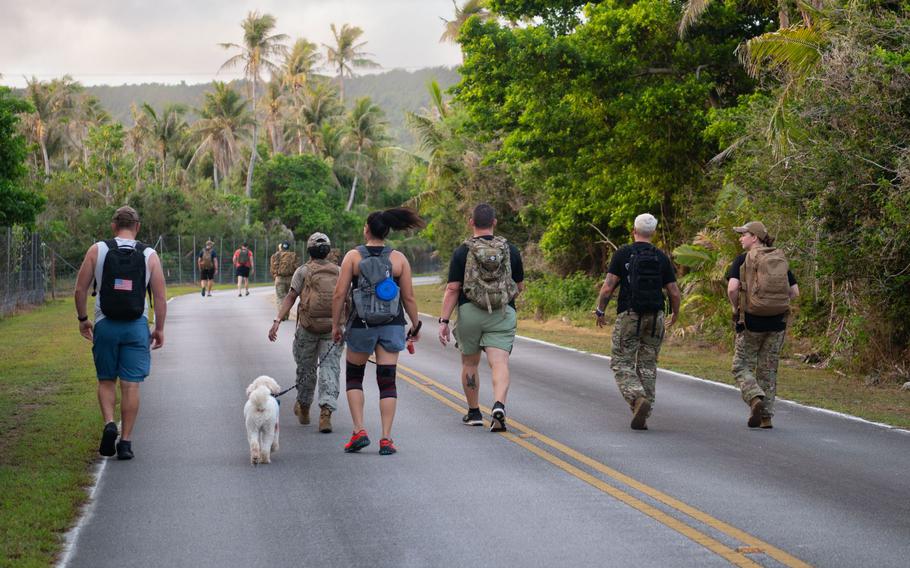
203, 292
124, 450
473, 418
358, 441
386, 447
108, 437
247, 292
498, 420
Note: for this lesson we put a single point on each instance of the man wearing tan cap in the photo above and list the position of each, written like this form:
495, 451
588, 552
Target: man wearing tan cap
207, 260
124, 269
760, 288
314, 283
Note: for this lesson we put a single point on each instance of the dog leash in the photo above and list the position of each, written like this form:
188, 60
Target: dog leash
318, 364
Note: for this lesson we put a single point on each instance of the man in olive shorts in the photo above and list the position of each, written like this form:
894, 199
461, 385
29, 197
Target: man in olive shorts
481, 325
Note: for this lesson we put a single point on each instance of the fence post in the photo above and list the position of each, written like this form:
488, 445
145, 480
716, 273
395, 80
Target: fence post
179, 260
255, 249
193, 258
221, 268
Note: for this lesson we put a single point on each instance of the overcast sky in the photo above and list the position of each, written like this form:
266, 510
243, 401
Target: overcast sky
168, 41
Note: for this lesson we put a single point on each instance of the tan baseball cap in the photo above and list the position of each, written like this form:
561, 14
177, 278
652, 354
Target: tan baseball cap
757, 228
316, 239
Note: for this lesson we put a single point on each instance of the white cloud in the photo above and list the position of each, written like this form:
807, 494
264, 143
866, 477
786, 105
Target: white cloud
131, 41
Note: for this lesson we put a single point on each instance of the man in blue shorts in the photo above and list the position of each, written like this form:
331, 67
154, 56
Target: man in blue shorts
123, 270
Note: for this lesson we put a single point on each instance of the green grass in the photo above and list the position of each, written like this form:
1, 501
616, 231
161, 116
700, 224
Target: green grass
50, 425
824, 388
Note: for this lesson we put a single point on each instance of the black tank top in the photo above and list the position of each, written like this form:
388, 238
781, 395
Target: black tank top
397, 320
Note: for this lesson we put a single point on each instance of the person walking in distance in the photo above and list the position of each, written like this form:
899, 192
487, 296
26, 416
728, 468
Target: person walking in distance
378, 279
282, 266
486, 274
642, 272
243, 268
124, 269
760, 287
207, 261
314, 284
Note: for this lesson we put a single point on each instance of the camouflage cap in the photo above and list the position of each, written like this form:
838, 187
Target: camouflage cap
318, 238
757, 228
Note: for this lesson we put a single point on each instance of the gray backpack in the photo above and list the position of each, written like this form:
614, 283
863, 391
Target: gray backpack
376, 296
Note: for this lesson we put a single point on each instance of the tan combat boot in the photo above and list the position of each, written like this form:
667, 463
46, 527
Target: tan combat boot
757, 405
325, 420
640, 413
302, 413
766, 423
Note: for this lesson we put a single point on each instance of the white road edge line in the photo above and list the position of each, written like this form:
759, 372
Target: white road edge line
714, 383
72, 536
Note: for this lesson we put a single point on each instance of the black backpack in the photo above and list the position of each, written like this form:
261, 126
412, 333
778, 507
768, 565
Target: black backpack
646, 294
123, 282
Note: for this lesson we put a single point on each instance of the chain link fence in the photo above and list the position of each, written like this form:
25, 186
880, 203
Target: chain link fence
22, 257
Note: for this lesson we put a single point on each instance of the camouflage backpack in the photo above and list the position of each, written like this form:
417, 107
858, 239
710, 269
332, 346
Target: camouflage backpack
314, 312
488, 273
287, 263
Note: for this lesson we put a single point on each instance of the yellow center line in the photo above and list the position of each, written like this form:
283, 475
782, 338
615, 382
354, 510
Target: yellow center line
734, 557
751, 541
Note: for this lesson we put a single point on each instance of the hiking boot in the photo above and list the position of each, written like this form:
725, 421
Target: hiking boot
766, 423
640, 411
108, 437
302, 413
239, 294
325, 420
473, 418
124, 450
359, 440
386, 447
757, 405
498, 419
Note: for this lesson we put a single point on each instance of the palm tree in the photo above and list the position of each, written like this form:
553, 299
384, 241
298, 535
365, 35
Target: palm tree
366, 130
301, 62
318, 106
224, 120
257, 53
469, 8
272, 106
165, 130
347, 54
39, 123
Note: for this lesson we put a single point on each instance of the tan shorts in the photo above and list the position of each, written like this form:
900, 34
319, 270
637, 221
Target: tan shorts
476, 328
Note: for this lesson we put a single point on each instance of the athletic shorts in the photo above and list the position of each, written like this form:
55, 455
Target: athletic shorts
243, 271
365, 339
207, 274
477, 328
121, 349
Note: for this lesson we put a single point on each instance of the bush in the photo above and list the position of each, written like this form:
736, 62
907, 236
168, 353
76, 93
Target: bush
553, 295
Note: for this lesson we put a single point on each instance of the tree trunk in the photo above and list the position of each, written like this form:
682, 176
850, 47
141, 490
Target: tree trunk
783, 15
354, 185
249, 171
215, 174
47, 161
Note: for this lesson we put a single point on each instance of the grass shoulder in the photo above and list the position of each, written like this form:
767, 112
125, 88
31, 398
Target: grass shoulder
824, 388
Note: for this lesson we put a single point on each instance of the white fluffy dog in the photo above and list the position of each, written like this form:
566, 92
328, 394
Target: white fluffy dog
261, 414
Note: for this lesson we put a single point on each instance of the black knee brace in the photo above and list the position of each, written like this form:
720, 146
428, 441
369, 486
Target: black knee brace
354, 376
385, 377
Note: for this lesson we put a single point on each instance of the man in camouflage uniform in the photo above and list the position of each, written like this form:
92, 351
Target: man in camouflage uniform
759, 339
637, 337
313, 283
282, 266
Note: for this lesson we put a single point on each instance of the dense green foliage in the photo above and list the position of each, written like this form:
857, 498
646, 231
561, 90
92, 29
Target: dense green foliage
18, 205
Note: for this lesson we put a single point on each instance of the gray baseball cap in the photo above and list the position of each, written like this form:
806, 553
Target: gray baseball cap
317, 239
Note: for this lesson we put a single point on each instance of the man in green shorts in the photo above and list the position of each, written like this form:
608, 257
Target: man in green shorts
485, 276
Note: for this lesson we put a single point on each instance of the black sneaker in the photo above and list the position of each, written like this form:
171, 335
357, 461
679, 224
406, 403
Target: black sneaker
124, 450
203, 292
498, 420
108, 437
473, 418
247, 292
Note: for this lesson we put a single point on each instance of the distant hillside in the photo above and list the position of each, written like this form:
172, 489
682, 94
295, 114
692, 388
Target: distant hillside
395, 91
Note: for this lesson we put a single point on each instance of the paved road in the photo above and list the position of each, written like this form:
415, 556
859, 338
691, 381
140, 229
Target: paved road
569, 485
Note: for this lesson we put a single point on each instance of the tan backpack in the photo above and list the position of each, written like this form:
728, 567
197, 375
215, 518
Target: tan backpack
488, 273
765, 286
314, 312
287, 263
207, 261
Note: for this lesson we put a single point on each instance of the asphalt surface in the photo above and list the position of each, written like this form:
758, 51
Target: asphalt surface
569, 485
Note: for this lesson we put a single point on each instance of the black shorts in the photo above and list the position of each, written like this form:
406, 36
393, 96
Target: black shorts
243, 271
207, 274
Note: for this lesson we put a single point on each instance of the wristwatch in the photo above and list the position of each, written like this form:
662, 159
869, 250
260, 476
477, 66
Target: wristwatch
82, 319
445, 321
599, 312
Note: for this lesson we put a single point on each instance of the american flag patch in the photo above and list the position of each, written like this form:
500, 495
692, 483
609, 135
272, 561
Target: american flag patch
123, 284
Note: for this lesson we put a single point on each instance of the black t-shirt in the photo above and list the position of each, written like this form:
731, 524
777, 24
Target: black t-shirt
619, 266
460, 260
760, 323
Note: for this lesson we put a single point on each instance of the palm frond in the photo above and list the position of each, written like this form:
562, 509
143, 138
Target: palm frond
692, 11
796, 49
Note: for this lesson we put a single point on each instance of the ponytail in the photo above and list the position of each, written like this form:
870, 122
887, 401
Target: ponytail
398, 218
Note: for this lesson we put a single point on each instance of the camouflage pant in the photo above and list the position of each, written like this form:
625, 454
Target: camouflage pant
635, 351
282, 286
308, 347
755, 361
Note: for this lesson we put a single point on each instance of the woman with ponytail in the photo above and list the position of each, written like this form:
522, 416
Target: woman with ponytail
379, 281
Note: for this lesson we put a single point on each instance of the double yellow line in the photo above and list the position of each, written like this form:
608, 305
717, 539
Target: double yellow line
737, 556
